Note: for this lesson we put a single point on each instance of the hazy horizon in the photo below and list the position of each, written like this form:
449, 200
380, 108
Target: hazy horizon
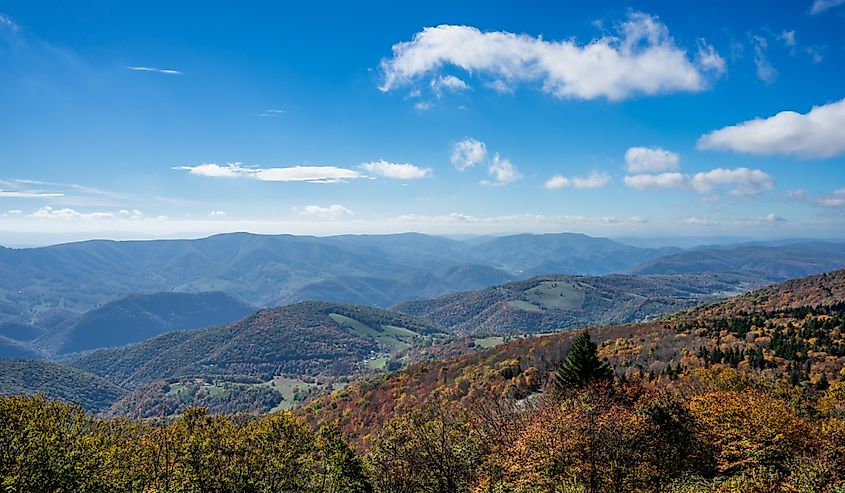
38, 240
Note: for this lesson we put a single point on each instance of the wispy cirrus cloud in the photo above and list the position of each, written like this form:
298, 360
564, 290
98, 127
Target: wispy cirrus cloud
820, 6
641, 59
271, 113
6, 22
166, 71
765, 71
310, 174
28, 194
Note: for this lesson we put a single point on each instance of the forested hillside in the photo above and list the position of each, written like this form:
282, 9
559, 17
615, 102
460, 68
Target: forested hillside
744, 395
30, 377
554, 302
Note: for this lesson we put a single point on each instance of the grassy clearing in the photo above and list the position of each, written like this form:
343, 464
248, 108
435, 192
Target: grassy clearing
488, 342
378, 363
390, 337
524, 305
556, 295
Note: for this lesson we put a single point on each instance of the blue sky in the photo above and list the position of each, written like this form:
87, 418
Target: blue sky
619, 119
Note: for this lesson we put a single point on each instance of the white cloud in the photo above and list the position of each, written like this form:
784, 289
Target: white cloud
217, 213
500, 86
48, 212
650, 160
15, 211
166, 71
28, 194
661, 180
773, 218
820, 133
739, 181
820, 6
502, 170
593, 180
833, 199
311, 174
556, 182
396, 171
765, 71
447, 83
468, 153
132, 214
334, 211
642, 59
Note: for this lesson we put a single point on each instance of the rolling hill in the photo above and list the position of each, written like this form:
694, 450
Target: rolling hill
29, 377
135, 318
305, 339
549, 303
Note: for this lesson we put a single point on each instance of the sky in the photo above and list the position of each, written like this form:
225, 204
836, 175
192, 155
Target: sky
621, 119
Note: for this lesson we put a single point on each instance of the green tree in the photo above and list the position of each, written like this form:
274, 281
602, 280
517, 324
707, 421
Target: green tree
342, 468
581, 365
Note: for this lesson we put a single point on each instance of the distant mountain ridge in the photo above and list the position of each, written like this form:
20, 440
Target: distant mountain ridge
39, 286
773, 263
135, 318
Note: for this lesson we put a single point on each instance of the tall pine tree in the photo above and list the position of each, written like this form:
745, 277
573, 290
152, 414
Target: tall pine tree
581, 365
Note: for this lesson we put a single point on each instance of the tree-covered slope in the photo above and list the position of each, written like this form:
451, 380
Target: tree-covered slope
311, 338
55, 381
792, 333
553, 302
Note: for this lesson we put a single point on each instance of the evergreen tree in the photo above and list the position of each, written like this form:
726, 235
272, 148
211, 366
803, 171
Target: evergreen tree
581, 365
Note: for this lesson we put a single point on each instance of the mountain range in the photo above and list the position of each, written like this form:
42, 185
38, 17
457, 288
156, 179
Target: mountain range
42, 286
